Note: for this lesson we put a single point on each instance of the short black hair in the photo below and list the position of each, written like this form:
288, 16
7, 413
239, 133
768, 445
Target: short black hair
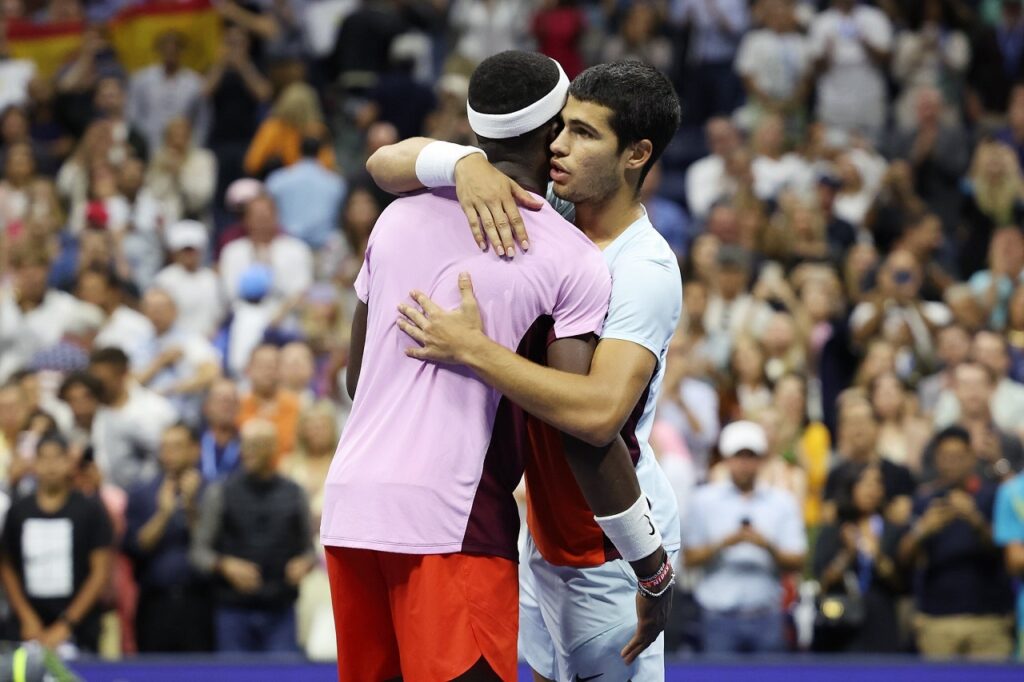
110, 356
108, 275
91, 384
310, 147
846, 509
54, 438
510, 81
954, 432
644, 104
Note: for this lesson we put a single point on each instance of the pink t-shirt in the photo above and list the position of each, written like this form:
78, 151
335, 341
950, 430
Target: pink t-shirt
427, 462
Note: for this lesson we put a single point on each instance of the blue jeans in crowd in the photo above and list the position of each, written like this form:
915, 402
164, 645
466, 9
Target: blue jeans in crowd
256, 630
734, 632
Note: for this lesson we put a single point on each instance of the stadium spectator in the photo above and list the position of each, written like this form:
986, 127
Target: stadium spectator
266, 399
177, 363
856, 557
57, 555
253, 536
289, 259
902, 434
689, 404
993, 287
195, 288
559, 26
83, 394
219, 446
706, 178
743, 537
296, 115
160, 93
127, 429
174, 613
962, 592
124, 327
308, 197
857, 445
712, 87
994, 196
998, 62
638, 38
182, 172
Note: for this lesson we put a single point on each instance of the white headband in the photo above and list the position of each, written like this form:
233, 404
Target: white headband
504, 126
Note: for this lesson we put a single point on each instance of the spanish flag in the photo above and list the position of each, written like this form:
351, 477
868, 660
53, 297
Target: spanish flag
48, 45
133, 32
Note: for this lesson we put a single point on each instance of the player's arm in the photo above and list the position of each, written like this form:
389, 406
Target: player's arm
1015, 558
355, 350
489, 198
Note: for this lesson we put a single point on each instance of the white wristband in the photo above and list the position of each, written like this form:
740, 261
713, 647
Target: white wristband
633, 531
435, 165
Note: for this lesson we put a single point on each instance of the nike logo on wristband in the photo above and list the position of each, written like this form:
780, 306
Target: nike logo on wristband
651, 524
592, 677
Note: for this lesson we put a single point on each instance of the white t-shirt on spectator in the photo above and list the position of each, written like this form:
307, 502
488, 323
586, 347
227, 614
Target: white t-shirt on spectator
1006, 404
15, 75
776, 62
126, 329
22, 334
771, 176
706, 182
290, 260
198, 295
127, 438
852, 91
743, 315
914, 317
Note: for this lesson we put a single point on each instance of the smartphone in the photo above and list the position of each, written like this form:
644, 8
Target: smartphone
745, 522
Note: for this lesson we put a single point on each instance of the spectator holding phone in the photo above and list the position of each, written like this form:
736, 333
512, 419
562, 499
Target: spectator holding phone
744, 537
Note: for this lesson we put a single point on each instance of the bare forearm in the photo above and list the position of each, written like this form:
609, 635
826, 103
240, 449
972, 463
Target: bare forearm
577, 405
12, 586
151, 533
606, 475
393, 167
699, 556
90, 593
258, 86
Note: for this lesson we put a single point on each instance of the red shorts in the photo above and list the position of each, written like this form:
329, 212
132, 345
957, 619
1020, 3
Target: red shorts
426, 618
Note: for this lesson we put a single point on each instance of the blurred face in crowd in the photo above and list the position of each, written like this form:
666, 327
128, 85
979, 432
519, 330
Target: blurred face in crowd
264, 370
869, 491
259, 443
361, 212
695, 297
881, 358
170, 47
131, 176
112, 377
1016, 309
13, 410
93, 287
178, 451
297, 367
178, 134
319, 430
779, 336
858, 429
732, 281
929, 106
777, 15
954, 461
30, 280
769, 140
95, 249
82, 402
790, 398
189, 258
743, 468
1015, 114
902, 276
222, 404
53, 467
887, 397
1006, 251
109, 99
704, 255
381, 134
261, 219
723, 222
20, 165
924, 237
953, 346
722, 137
989, 350
14, 126
160, 309
748, 362
639, 24
973, 388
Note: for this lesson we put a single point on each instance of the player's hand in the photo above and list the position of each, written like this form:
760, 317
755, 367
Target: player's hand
55, 635
31, 628
651, 619
297, 569
491, 201
441, 333
243, 575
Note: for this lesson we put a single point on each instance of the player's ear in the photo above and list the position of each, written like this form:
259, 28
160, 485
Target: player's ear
638, 154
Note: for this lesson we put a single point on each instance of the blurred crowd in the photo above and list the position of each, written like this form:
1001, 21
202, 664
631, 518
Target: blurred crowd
177, 254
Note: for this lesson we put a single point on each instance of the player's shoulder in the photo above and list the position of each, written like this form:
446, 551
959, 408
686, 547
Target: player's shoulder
644, 258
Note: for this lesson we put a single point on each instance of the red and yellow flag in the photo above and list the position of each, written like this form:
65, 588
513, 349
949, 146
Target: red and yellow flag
48, 45
133, 32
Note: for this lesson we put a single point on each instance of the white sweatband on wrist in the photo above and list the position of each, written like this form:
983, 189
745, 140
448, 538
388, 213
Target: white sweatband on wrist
633, 531
435, 165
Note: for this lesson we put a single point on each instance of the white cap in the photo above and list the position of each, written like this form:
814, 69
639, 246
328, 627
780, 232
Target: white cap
740, 436
83, 318
241, 192
187, 234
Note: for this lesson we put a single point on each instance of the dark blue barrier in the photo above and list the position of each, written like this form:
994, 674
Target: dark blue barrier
260, 669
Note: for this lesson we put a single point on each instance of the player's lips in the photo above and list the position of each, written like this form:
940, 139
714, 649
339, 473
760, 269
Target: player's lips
558, 174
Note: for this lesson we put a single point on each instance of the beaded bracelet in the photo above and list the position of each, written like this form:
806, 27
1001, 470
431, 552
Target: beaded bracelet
647, 586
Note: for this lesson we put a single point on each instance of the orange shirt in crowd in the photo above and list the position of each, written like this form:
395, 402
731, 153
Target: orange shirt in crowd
277, 140
283, 411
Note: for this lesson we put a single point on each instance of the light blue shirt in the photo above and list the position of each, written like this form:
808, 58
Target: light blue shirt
980, 283
1008, 528
743, 577
309, 199
712, 44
